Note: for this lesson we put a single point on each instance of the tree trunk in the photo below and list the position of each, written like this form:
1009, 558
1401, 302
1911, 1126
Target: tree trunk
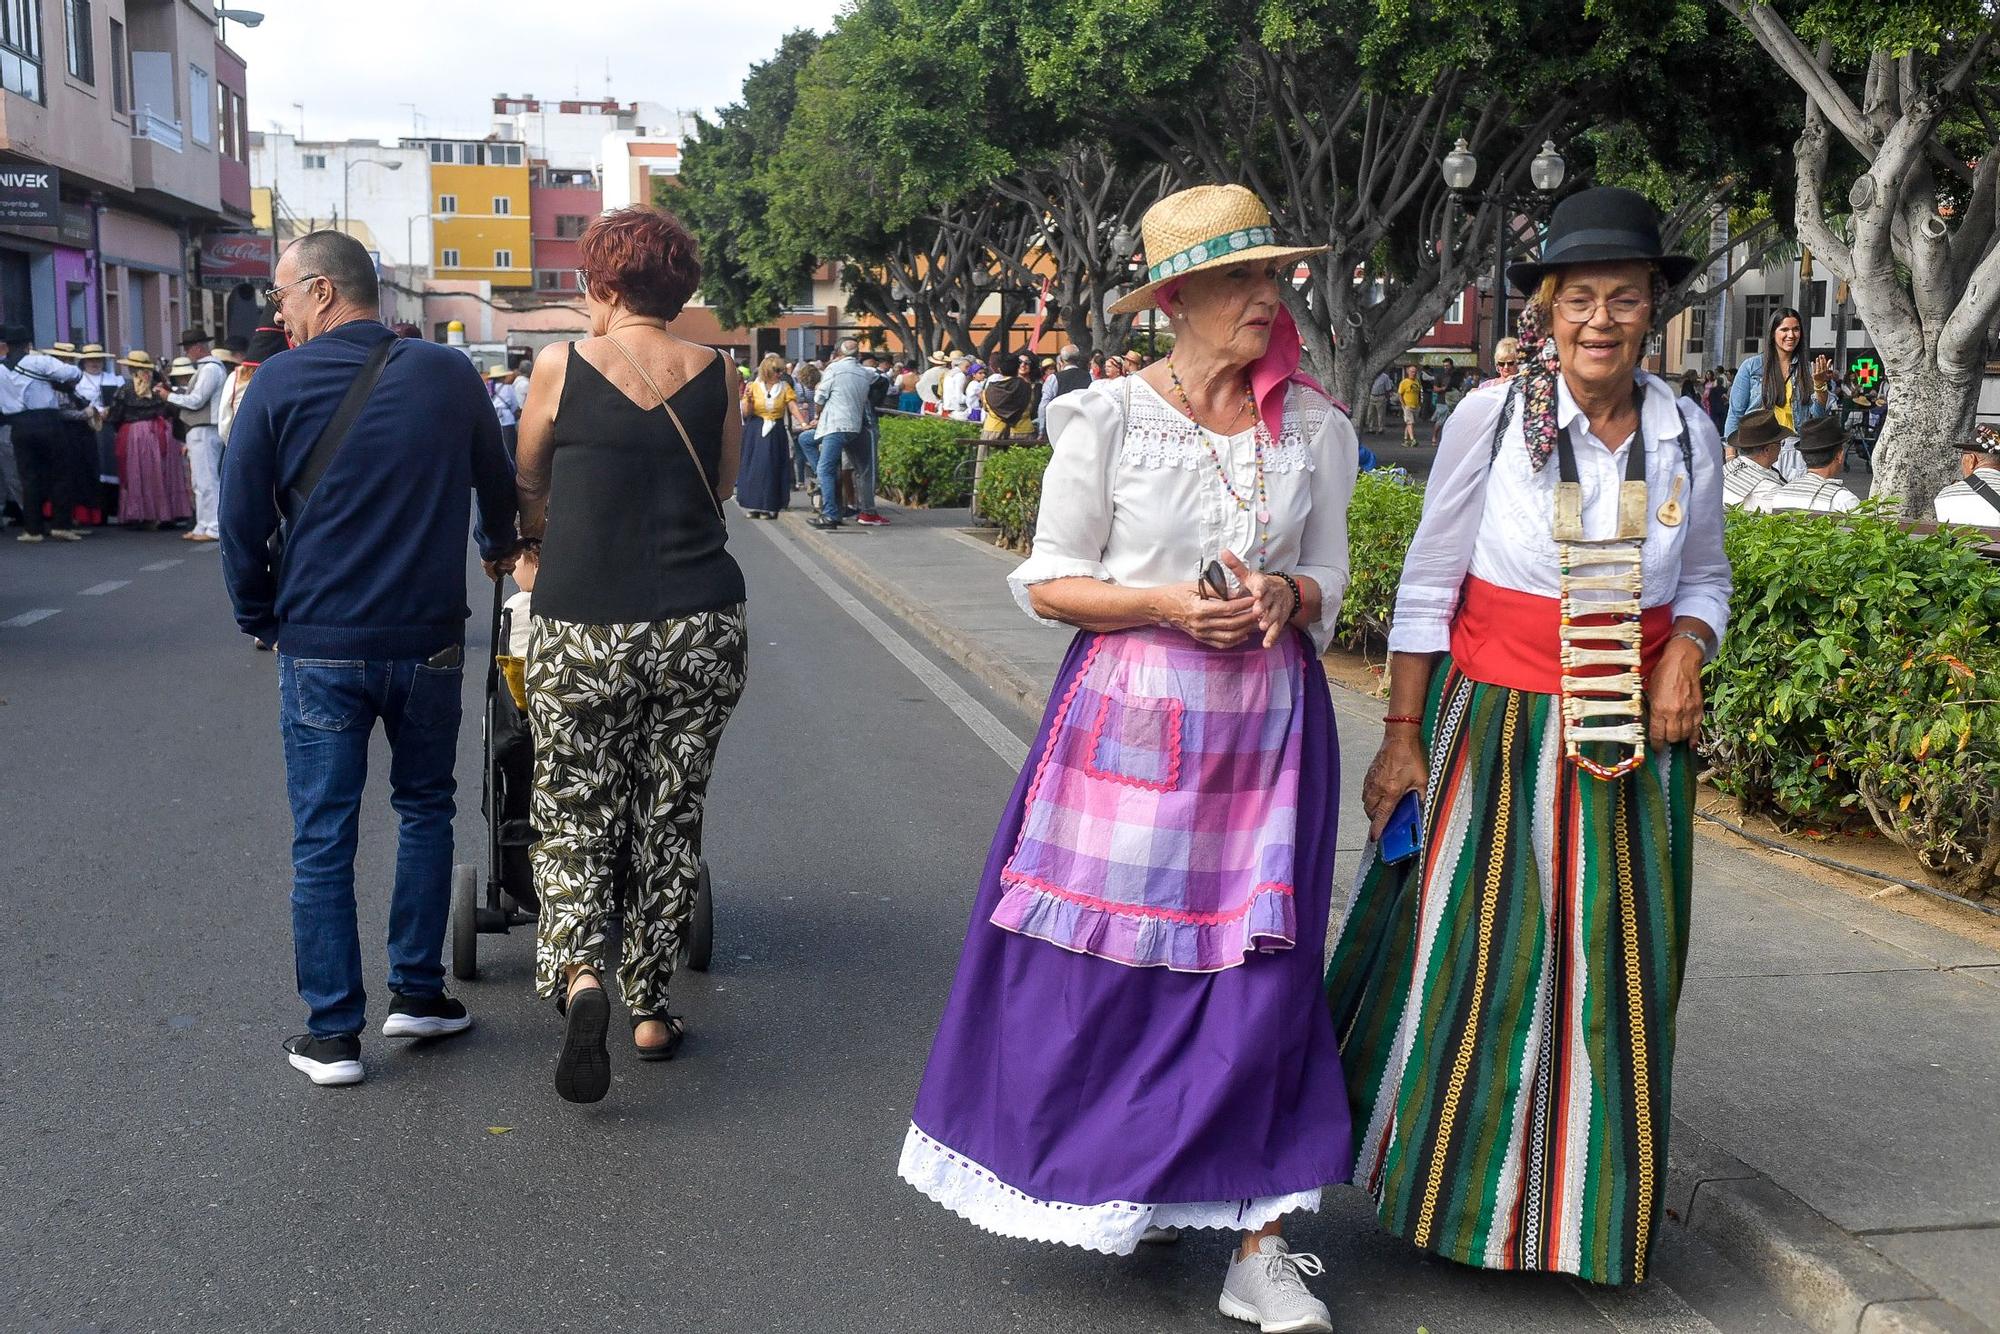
1930, 412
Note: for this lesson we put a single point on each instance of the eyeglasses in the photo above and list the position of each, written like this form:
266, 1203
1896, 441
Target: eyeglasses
271, 294
1580, 309
582, 281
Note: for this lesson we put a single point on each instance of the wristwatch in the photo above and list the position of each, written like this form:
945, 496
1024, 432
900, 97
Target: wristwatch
1708, 647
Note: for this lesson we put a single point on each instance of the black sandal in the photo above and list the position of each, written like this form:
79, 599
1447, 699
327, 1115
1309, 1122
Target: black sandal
583, 1071
662, 1051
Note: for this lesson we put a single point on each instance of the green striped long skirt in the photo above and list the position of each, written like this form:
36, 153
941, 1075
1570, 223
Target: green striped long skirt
1505, 1000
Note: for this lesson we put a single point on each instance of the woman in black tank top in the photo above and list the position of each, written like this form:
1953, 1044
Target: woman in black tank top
628, 444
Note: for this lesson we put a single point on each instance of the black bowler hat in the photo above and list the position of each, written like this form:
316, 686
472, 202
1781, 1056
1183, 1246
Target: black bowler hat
1598, 226
264, 344
192, 335
16, 335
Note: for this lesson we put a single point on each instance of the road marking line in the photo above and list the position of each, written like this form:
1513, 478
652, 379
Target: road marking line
29, 618
108, 586
208, 548
970, 711
1652, 1308
159, 565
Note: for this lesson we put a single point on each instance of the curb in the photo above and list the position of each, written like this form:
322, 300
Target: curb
1825, 1277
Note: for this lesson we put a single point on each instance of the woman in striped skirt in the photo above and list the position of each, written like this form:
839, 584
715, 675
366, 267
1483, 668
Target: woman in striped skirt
1505, 998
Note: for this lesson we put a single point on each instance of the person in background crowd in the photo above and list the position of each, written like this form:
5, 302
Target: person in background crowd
1135, 361
204, 445
12, 344
803, 443
1819, 490
1506, 998
367, 609
95, 388
639, 648
1410, 393
405, 329
1009, 403
1975, 499
1097, 365
769, 409
1690, 392
1715, 397
78, 457
930, 385
1069, 375
153, 487
1753, 471
951, 395
500, 393
1507, 358
843, 432
878, 401
1776, 378
1448, 394
1114, 367
233, 353
40, 448
1377, 414
907, 398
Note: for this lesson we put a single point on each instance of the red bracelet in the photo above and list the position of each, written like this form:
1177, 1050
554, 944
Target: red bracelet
1411, 719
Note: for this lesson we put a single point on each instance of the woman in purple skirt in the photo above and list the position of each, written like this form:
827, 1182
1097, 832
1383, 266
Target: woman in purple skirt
1137, 1040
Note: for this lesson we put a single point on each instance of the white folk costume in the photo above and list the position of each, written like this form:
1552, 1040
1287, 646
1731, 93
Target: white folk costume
1809, 494
1506, 998
1963, 502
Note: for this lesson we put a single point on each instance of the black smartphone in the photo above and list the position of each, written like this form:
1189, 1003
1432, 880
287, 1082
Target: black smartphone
1216, 579
1403, 837
446, 658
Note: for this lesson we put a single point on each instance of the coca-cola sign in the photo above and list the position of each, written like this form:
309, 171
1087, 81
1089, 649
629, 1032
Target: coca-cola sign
236, 257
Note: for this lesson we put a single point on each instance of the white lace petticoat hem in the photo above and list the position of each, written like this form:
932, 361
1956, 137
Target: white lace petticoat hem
1112, 1228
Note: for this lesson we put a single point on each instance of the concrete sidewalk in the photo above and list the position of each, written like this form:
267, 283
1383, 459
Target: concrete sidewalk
1837, 1081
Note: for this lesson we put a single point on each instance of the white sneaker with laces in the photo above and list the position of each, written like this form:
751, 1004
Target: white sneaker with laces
1269, 1290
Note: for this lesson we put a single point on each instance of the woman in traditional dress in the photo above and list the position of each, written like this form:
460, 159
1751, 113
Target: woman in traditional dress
770, 410
1136, 1037
1505, 998
153, 487
1009, 401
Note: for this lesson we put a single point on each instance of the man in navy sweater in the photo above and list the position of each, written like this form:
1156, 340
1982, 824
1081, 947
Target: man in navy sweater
367, 610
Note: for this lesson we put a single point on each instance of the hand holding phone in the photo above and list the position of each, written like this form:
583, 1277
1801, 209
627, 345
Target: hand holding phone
1402, 838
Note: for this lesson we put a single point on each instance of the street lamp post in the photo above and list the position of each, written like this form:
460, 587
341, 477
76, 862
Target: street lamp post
1545, 173
347, 184
224, 16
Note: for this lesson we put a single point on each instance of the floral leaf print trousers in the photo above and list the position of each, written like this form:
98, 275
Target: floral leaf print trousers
626, 721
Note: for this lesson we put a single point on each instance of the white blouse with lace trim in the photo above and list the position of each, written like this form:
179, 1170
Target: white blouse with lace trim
1111, 1228
1135, 500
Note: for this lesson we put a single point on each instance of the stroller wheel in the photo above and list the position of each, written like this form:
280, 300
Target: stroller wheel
701, 925
465, 922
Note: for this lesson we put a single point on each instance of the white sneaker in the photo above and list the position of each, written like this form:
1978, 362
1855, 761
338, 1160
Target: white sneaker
1269, 1290
66, 534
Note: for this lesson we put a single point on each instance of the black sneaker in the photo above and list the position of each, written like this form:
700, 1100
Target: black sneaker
425, 1017
822, 523
327, 1061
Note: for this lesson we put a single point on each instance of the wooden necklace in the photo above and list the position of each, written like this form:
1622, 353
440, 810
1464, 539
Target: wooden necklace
1260, 495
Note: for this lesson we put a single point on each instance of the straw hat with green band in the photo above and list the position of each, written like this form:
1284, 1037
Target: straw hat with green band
1205, 227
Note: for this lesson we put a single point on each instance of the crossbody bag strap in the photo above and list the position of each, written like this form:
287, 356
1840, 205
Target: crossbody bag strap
1984, 489
301, 487
708, 485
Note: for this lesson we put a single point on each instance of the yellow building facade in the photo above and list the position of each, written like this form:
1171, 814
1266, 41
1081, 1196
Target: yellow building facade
480, 230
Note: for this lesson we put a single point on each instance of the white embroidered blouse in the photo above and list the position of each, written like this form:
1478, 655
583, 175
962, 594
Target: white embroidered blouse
1138, 502
1496, 522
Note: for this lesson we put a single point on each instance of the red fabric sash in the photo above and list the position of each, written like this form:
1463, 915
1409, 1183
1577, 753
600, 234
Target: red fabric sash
1507, 638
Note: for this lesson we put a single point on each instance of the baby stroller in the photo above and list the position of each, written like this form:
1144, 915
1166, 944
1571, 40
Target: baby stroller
508, 752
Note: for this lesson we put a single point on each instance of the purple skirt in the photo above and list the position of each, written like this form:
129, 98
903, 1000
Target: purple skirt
1072, 1099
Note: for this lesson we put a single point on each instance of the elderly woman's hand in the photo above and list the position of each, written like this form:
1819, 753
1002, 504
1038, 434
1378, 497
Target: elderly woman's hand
1216, 622
1673, 694
1400, 766
1272, 595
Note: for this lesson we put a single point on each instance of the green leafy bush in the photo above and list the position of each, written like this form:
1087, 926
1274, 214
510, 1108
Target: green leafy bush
1381, 520
1861, 675
1010, 491
926, 461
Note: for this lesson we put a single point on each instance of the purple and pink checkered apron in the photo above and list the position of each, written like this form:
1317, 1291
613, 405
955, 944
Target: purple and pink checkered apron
1161, 827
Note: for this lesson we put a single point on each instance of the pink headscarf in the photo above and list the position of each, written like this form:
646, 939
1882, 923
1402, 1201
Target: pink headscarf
1275, 371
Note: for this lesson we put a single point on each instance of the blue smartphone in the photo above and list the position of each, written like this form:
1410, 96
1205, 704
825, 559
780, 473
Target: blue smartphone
1403, 837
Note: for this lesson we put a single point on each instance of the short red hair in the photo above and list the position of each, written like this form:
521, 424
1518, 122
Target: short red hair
641, 258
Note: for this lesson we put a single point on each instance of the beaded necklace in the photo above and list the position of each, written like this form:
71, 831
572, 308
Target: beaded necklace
1260, 494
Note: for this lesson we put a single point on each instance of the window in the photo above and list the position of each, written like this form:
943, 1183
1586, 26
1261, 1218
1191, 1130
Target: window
448, 259
121, 98
21, 48
314, 161
1455, 314
447, 203
440, 152
82, 57
201, 105
468, 155
503, 259
504, 155
1813, 297
1757, 312
548, 280
569, 226
1696, 342
502, 205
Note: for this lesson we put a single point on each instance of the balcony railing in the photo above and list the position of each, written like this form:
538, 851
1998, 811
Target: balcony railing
146, 125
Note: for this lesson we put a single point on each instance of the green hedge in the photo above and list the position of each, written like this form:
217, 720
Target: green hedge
1381, 520
926, 461
1860, 678
1010, 491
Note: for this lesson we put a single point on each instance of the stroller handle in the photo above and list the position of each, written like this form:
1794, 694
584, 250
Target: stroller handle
493, 636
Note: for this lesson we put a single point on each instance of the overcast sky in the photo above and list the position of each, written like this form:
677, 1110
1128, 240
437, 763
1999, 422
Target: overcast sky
360, 66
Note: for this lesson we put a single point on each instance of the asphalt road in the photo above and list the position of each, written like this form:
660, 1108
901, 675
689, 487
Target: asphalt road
165, 1170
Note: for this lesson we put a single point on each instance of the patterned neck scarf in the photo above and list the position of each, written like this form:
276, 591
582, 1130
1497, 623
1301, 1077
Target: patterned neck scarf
1541, 367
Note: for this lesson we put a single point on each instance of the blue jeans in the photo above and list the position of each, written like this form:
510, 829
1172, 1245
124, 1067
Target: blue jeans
829, 448
327, 710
